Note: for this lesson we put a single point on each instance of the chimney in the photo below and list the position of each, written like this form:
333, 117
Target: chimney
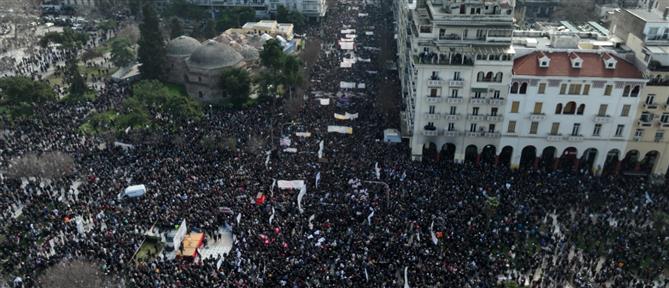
666, 13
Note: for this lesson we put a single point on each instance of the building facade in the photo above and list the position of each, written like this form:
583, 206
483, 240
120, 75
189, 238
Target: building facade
455, 68
570, 110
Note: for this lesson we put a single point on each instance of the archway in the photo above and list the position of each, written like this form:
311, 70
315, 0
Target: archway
527, 157
471, 153
447, 152
505, 156
630, 161
611, 162
588, 159
649, 161
429, 152
488, 154
548, 158
568, 159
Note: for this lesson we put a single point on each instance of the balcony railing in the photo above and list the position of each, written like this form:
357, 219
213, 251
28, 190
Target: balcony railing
474, 134
435, 83
602, 119
431, 133
497, 101
472, 117
452, 117
478, 101
433, 99
650, 106
554, 137
451, 133
493, 134
494, 118
432, 116
456, 83
455, 100
535, 117
575, 138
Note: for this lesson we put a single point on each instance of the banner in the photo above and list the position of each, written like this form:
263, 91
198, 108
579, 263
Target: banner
179, 236
346, 116
290, 184
290, 150
284, 142
346, 85
303, 134
340, 129
324, 101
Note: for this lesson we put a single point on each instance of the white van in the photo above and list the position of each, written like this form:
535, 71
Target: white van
133, 191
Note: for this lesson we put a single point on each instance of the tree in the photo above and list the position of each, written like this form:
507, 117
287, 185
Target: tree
75, 80
151, 46
292, 73
77, 273
185, 10
235, 17
69, 39
176, 29
209, 29
18, 94
122, 53
155, 96
271, 55
49, 165
283, 15
236, 85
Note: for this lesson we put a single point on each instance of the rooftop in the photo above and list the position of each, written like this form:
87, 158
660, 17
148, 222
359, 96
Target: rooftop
560, 66
648, 16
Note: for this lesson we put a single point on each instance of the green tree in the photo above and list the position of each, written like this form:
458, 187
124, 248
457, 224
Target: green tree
155, 96
76, 81
283, 15
291, 73
185, 10
235, 17
176, 29
122, 53
236, 85
151, 51
272, 55
69, 39
209, 29
18, 95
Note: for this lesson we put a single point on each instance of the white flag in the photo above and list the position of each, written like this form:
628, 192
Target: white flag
269, 153
434, 237
366, 275
271, 189
303, 191
406, 278
239, 218
271, 217
369, 217
320, 149
378, 171
311, 218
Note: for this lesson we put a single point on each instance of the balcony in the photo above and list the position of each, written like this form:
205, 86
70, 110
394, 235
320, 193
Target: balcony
536, 117
474, 134
494, 118
575, 138
432, 116
650, 106
452, 117
430, 133
602, 119
497, 101
433, 99
435, 83
554, 137
472, 117
478, 101
644, 123
456, 83
493, 134
451, 133
455, 100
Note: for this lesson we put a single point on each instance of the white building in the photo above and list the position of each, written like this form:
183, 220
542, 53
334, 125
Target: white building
569, 110
455, 62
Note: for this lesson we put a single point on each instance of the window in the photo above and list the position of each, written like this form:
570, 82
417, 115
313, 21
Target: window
563, 89
514, 106
477, 95
498, 77
534, 127
430, 126
488, 77
435, 75
602, 109
576, 129
542, 88
451, 126
514, 88
456, 75
619, 130
512, 127
650, 99
495, 94
523, 88
581, 109
558, 108
646, 116
453, 110
574, 89
626, 90
432, 109
537, 107
475, 111
597, 130
472, 127
454, 93
491, 128
434, 92
570, 108
638, 133
586, 89
480, 76
607, 90
493, 111
664, 118
555, 128
659, 135
626, 110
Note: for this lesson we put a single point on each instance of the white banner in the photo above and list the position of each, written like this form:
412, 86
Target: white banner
346, 85
340, 129
290, 150
324, 101
347, 31
179, 236
303, 134
290, 184
346, 116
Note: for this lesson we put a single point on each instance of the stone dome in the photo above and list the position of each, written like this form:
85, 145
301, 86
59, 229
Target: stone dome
182, 46
214, 55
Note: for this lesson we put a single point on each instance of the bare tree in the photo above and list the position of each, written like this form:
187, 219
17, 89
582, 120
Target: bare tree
255, 144
294, 106
50, 165
131, 32
77, 273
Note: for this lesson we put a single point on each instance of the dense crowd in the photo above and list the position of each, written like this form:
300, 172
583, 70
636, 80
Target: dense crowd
373, 217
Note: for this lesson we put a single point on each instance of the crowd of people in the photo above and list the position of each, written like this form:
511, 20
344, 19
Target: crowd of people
370, 215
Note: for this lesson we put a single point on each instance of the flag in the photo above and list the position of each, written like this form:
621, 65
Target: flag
318, 178
377, 170
260, 199
434, 237
239, 218
269, 153
284, 142
271, 189
406, 278
369, 217
366, 275
271, 217
311, 218
320, 149
303, 191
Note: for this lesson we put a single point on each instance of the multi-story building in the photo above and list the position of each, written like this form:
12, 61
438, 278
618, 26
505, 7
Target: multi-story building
455, 62
570, 110
646, 33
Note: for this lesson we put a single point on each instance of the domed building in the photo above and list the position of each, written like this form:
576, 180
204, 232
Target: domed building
205, 66
178, 50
